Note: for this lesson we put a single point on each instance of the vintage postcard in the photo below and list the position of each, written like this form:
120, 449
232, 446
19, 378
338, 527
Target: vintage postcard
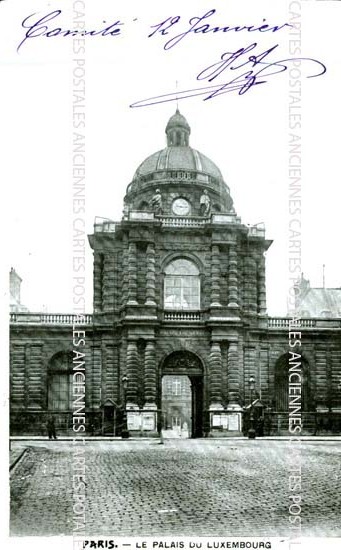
172, 274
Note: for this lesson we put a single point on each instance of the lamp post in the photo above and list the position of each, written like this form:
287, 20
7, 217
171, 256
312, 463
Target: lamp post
125, 433
252, 432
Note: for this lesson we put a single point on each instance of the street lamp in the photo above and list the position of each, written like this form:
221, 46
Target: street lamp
252, 432
124, 432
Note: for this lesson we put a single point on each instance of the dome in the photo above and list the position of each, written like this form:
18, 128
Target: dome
178, 170
178, 120
178, 158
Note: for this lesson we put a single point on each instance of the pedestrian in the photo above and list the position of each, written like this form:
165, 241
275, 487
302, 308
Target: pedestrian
51, 427
160, 428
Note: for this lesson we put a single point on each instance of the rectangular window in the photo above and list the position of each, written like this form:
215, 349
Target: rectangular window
182, 292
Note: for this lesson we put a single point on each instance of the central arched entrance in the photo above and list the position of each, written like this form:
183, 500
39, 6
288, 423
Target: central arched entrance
182, 395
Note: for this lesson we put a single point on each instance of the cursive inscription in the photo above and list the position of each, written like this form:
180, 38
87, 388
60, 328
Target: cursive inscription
42, 27
231, 65
199, 26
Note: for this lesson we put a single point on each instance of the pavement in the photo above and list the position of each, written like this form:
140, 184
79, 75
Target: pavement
225, 487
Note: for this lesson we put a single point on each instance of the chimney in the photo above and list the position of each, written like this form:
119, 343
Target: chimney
14, 285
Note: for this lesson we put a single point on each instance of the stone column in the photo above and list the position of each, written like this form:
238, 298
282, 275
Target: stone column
125, 263
215, 276
150, 276
98, 281
321, 389
132, 366
215, 376
261, 286
34, 385
132, 274
150, 375
335, 374
233, 376
250, 284
96, 378
233, 277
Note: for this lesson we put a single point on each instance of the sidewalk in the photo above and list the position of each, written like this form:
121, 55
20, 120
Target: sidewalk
211, 439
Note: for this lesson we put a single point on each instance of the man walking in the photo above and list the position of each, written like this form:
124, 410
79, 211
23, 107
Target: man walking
51, 427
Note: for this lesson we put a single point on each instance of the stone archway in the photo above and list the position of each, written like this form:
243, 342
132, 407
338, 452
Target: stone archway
184, 406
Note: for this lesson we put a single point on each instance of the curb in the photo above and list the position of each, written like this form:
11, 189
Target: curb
19, 457
151, 439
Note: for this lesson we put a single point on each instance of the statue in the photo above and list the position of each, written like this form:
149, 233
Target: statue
205, 204
156, 202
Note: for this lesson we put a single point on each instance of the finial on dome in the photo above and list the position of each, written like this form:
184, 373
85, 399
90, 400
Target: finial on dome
178, 130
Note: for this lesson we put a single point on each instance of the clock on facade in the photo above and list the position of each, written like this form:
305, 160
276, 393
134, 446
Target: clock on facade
181, 207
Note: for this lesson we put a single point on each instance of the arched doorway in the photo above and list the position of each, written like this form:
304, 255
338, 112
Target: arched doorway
181, 393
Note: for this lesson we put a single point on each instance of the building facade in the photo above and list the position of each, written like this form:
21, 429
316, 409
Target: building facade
179, 295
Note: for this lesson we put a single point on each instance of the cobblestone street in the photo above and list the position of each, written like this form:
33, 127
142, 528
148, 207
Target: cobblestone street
191, 487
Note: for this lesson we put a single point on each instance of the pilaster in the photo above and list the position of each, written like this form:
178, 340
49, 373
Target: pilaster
215, 276
125, 263
150, 277
150, 374
233, 277
132, 365
233, 377
261, 290
215, 373
250, 284
321, 390
132, 274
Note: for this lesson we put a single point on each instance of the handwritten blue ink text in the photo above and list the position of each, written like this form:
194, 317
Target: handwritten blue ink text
39, 27
196, 26
243, 81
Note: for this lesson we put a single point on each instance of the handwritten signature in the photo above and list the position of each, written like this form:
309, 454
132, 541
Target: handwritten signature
196, 26
234, 61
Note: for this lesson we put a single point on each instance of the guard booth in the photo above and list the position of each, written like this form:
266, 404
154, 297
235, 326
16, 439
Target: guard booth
258, 409
111, 419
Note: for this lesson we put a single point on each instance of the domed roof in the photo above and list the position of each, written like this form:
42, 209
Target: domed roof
177, 120
176, 166
178, 158
178, 155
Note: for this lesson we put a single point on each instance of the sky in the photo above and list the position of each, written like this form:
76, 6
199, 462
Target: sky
247, 135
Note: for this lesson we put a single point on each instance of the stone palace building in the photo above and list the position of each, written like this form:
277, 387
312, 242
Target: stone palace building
179, 336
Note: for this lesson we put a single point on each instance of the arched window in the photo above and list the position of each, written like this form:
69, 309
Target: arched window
59, 396
216, 207
143, 206
182, 285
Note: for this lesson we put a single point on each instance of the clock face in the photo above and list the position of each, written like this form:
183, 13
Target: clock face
181, 207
